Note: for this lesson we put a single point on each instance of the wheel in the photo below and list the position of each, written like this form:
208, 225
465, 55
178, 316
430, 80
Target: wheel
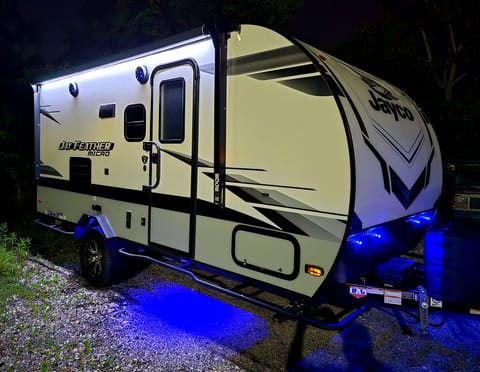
100, 262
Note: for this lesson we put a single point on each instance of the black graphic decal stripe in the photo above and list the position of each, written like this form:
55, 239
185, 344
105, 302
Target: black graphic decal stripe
208, 209
396, 145
312, 85
285, 72
47, 114
272, 198
164, 201
332, 84
188, 159
275, 216
178, 204
429, 166
275, 61
268, 60
115, 193
281, 221
204, 163
426, 121
48, 170
340, 92
268, 197
383, 165
311, 228
392, 181
405, 195
237, 178
256, 196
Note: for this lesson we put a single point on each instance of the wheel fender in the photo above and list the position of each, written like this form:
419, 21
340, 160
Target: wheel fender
96, 222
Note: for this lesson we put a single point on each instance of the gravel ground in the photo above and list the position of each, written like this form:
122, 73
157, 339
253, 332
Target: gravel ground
71, 327
162, 321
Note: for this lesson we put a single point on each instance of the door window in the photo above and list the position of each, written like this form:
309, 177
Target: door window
172, 111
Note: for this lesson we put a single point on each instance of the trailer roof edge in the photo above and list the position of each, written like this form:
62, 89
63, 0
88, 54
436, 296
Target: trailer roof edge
180, 38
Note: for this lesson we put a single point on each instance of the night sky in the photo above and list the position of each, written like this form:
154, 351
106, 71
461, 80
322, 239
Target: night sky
323, 24
52, 17
331, 22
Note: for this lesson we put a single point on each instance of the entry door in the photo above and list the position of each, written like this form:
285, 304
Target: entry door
173, 156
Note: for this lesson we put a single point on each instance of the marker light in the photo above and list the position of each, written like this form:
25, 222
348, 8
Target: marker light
73, 89
313, 270
141, 74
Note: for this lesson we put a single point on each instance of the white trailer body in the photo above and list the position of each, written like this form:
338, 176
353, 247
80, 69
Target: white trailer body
245, 152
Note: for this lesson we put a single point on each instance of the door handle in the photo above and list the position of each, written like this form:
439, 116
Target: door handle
154, 159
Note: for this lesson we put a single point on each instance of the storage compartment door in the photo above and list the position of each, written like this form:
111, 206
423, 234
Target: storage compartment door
270, 252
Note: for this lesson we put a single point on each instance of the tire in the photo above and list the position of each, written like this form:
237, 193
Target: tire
100, 262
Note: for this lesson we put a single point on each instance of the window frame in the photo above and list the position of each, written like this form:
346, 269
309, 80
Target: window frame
126, 123
161, 109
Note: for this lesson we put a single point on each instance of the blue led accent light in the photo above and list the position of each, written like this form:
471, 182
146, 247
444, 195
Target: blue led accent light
421, 220
366, 249
369, 238
73, 89
141, 74
385, 233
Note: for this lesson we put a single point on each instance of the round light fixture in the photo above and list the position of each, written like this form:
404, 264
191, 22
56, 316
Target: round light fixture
73, 89
141, 74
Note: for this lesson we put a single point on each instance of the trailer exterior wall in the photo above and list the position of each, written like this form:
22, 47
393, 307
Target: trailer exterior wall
397, 168
287, 163
301, 175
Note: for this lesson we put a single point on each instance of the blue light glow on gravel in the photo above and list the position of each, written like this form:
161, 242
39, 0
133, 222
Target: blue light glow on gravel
168, 311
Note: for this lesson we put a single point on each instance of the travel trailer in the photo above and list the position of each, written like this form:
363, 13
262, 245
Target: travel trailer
243, 152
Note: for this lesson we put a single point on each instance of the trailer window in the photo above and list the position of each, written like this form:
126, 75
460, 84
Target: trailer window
134, 123
172, 110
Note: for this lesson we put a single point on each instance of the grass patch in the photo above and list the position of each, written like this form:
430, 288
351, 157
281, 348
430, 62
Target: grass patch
36, 345
13, 252
53, 246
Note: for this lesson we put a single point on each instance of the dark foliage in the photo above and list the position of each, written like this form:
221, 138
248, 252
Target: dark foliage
430, 49
16, 138
111, 26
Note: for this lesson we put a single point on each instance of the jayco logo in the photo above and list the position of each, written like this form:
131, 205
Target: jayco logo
379, 104
382, 101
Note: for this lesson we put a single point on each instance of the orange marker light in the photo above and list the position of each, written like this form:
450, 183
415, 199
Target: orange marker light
314, 270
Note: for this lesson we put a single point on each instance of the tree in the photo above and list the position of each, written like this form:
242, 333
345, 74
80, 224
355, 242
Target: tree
16, 131
111, 26
451, 53
430, 49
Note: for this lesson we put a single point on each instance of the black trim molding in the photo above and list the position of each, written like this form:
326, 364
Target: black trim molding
164, 201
